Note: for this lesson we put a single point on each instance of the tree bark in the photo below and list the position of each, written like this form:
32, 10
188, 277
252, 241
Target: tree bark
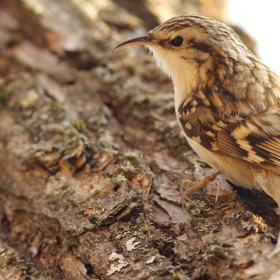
92, 159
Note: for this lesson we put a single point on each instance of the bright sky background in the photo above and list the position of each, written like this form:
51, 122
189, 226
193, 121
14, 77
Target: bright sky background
261, 19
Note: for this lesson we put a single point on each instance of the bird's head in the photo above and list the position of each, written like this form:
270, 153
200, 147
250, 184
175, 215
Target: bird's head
194, 51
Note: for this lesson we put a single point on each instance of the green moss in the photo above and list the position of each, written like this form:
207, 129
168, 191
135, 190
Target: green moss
118, 179
209, 239
80, 126
147, 227
197, 208
59, 105
179, 275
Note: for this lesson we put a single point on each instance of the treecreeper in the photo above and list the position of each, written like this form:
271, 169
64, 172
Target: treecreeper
226, 100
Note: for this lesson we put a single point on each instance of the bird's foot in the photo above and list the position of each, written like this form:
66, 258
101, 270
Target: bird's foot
197, 186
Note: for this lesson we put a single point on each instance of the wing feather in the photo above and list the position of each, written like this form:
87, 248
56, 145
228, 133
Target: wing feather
255, 139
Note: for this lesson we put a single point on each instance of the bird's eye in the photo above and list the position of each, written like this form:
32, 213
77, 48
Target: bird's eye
177, 41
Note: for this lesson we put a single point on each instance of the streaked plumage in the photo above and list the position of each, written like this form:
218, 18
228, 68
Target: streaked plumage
227, 101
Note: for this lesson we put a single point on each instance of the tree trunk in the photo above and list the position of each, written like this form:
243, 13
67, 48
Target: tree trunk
92, 158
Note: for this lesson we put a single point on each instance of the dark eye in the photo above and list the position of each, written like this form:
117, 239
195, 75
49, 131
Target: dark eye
177, 42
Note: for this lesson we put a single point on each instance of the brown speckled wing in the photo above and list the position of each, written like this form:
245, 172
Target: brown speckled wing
254, 138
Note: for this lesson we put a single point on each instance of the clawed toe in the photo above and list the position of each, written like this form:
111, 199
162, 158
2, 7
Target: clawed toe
197, 186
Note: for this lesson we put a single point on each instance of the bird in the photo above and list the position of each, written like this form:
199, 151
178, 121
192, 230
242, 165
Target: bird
227, 101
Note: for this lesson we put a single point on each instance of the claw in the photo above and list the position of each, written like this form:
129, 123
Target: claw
199, 185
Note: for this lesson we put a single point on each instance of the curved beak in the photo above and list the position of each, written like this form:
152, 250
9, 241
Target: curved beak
144, 40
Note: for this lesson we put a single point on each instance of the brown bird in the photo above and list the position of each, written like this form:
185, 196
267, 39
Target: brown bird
227, 101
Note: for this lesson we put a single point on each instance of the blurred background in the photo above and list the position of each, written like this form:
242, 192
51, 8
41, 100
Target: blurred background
261, 20
257, 22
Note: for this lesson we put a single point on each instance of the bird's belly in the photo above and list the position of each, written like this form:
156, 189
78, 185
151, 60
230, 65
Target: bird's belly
236, 171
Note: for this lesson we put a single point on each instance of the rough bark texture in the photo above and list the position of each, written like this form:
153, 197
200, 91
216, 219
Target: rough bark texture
92, 158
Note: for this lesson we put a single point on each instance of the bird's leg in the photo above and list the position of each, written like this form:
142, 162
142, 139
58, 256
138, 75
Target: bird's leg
217, 194
199, 185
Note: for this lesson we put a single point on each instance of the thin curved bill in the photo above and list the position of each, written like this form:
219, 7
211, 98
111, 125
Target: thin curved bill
144, 40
